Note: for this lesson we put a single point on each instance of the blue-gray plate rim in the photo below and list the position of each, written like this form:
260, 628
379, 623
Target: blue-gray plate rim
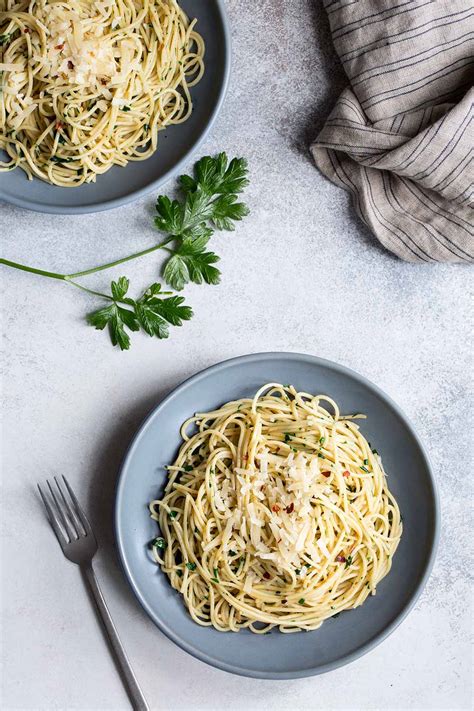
120, 186
126, 530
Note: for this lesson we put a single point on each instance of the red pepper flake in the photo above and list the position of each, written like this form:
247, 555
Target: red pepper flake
275, 508
289, 509
326, 474
267, 576
346, 473
70, 65
58, 126
59, 46
26, 31
340, 559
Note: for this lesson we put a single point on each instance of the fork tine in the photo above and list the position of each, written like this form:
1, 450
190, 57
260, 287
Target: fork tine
70, 528
72, 514
55, 525
82, 517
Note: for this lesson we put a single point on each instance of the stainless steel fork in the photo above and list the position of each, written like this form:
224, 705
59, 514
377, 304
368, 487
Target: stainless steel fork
79, 545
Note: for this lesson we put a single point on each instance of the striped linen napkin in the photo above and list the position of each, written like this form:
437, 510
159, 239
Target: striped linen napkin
401, 137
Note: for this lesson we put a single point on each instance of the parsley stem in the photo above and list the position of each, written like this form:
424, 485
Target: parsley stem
93, 270
33, 270
109, 265
86, 272
89, 291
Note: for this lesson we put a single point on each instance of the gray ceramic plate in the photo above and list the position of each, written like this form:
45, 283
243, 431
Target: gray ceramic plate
122, 185
338, 641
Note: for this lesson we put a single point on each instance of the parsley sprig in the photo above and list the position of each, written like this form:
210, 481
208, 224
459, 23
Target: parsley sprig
151, 312
208, 202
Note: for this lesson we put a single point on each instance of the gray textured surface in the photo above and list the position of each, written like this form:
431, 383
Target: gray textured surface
300, 274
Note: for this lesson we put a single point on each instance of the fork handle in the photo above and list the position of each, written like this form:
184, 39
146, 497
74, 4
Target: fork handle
135, 694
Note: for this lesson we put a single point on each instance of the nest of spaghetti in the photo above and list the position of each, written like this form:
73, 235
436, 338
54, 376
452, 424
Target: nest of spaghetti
89, 84
276, 513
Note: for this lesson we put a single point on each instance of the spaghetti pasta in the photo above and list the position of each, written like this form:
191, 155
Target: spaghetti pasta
88, 84
276, 513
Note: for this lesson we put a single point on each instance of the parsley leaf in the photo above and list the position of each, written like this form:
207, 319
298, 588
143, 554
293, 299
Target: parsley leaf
170, 215
190, 262
210, 202
216, 176
226, 210
119, 288
152, 312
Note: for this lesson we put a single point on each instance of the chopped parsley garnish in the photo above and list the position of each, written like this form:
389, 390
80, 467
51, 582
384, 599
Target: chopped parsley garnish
297, 571
374, 451
348, 561
179, 573
146, 127
159, 543
364, 469
231, 552
322, 440
173, 514
288, 436
188, 468
126, 108
321, 456
191, 566
60, 160
4, 38
301, 601
366, 461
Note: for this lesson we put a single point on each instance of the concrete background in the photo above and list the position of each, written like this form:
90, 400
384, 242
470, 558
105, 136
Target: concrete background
301, 273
